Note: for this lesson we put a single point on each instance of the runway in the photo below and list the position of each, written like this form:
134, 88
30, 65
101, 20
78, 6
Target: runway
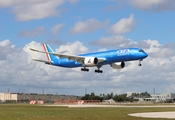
169, 115
155, 115
119, 106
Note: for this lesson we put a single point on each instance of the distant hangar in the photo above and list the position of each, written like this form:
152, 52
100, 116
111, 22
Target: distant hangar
26, 97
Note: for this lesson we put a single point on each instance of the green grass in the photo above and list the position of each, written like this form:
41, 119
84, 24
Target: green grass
34, 112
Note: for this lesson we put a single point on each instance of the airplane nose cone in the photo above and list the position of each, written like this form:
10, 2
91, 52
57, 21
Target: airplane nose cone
145, 55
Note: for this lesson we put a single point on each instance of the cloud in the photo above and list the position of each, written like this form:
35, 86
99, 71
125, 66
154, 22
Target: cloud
110, 41
56, 28
111, 7
19, 70
32, 33
5, 43
87, 26
119, 41
54, 41
26, 10
8, 3
21, 74
123, 26
160, 51
6, 48
32, 54
144, 5
151, 5
73, 1
73, 48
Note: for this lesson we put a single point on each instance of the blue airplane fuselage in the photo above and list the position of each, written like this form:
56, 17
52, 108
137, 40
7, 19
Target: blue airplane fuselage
111, 56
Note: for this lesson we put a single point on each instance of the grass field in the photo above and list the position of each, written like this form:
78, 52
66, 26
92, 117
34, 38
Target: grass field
34, 112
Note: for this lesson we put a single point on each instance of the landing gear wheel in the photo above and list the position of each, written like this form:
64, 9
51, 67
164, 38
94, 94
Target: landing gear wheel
140, 63
98, 71
84, 69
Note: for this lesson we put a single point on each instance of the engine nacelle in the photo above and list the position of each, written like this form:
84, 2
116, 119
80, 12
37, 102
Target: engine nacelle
90, 61
118, 65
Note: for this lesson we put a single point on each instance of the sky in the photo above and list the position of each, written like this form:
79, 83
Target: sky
82, 26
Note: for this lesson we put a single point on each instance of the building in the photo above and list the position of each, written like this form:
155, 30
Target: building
7, 96
169, 97
26, 97
138, 96
162, 97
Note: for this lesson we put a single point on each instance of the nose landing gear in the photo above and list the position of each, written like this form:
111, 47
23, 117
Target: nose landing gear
140, 64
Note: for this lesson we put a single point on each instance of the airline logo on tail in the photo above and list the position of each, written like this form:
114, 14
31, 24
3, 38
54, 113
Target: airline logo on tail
49, 53
46, 50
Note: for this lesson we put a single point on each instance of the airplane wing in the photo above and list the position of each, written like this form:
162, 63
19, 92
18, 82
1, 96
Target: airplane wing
69, 57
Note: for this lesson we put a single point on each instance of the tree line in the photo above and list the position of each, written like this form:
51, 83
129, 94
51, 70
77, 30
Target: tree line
117, 97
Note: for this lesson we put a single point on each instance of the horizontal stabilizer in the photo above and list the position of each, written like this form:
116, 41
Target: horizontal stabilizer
37, 50
42, 61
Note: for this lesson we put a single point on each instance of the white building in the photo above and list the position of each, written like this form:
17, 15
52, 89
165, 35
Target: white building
162, 97
7, 96
154, 97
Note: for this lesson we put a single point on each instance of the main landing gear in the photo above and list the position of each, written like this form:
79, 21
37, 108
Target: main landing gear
140, 63
85, 69
98, 71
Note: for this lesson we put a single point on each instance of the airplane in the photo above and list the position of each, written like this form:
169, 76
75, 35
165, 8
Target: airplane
115, 58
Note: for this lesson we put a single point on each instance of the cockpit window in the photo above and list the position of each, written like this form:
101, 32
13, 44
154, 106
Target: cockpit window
141, 50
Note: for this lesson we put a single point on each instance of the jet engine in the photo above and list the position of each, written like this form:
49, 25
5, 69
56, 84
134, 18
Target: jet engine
118, 65
90, 61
